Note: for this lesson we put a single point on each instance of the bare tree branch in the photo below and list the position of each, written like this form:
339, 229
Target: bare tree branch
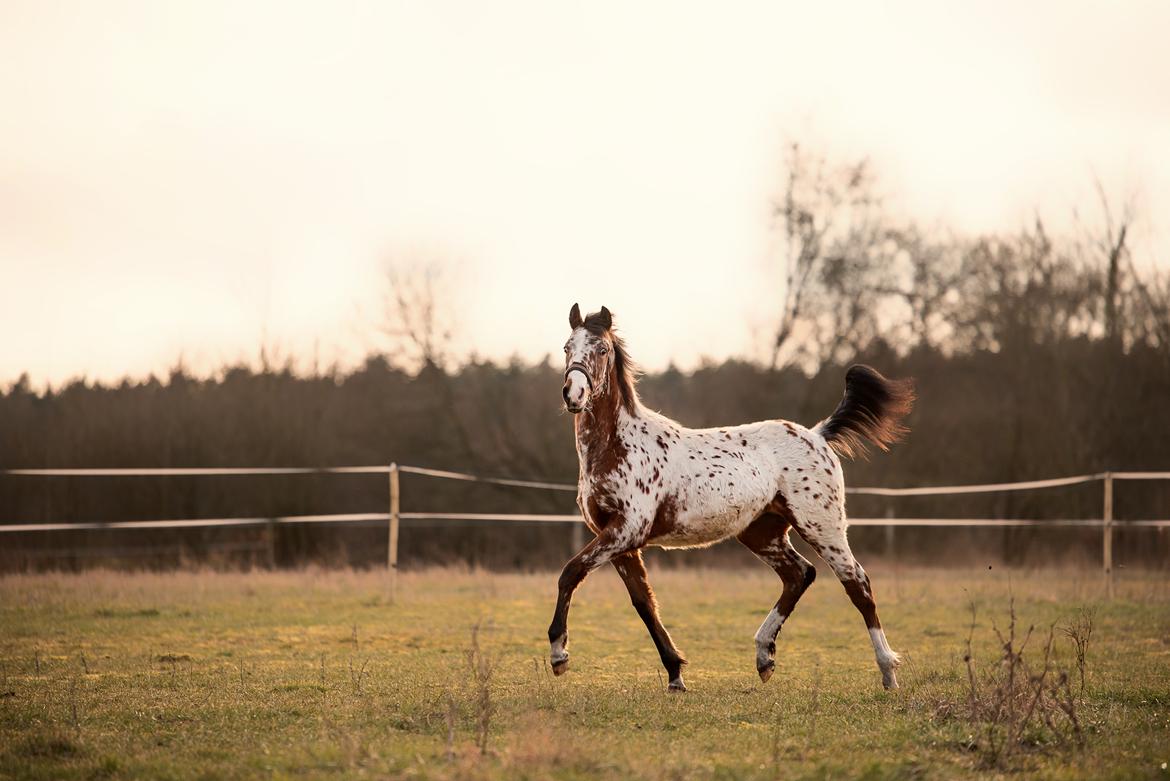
417, 318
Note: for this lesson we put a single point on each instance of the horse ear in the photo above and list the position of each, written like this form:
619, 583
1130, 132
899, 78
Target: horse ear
575, 317
606, 318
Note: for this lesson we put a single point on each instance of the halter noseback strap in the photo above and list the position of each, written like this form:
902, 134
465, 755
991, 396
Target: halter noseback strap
580, 367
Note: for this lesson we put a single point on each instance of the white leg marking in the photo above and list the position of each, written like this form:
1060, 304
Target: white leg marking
887, 659
766, 643
768, 630
559, 656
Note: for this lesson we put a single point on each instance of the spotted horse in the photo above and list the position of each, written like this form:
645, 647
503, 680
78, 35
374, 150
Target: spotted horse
647, 480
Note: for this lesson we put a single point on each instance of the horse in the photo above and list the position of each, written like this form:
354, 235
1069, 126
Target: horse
645, 479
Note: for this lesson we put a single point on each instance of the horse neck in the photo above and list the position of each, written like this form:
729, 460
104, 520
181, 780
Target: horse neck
599, 428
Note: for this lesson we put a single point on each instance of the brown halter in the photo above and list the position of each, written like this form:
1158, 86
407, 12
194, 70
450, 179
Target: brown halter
580, 367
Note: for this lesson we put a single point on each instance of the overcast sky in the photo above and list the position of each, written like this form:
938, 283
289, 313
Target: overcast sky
190, 177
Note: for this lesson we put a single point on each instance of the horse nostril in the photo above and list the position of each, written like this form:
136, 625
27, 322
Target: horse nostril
565, 393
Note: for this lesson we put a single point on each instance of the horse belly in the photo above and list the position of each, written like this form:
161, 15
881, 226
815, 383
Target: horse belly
697, 527
717, 492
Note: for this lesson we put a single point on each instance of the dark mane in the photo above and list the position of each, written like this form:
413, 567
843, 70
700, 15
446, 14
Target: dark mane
599, 323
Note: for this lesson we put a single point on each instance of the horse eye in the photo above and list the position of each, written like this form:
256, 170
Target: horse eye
604, 349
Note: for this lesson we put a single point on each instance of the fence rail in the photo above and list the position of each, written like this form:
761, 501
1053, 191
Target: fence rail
394, 517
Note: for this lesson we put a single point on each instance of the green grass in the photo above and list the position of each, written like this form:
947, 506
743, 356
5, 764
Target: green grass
203, 675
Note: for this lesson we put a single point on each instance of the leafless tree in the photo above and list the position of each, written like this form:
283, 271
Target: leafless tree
834, 251
418, 318
1112, 246
1139, 301
419, 323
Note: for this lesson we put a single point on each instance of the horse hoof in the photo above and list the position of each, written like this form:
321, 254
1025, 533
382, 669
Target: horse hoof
561, 667
677, 685
766, 671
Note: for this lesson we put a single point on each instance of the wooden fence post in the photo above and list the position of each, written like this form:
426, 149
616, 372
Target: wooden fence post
577, 541
1107, 535
892, 551
270, 543
891, 537
392, 548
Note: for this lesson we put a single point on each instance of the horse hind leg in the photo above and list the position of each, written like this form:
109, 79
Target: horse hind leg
861, 593
767, 538
830, 542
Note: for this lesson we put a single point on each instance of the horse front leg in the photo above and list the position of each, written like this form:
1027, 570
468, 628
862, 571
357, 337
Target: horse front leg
600, 550
633, 572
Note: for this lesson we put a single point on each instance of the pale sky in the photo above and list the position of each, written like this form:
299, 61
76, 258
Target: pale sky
188, 177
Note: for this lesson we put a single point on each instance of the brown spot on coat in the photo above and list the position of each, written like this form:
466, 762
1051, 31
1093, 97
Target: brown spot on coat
665, 517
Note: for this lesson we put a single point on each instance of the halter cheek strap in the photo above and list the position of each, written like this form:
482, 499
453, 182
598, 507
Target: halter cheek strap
580, 367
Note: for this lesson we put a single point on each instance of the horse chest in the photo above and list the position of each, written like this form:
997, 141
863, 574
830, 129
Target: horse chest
615, 497
626, 490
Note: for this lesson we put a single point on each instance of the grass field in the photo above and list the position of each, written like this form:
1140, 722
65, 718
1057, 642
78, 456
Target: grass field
318, 674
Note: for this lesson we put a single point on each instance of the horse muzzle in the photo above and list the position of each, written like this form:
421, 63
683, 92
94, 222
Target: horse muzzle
578, 388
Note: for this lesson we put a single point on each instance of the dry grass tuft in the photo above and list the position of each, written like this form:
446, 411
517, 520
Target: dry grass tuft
1015, 703
481, 667
1080, 631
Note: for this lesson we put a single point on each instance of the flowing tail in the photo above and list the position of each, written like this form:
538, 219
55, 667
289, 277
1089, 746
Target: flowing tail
872, 410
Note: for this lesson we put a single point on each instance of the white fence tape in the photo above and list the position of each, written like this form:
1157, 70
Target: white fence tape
984, 488
201, 471
418, 470
527, 518
941, 490
554, 518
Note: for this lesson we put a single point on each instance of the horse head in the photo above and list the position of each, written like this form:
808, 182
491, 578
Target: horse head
589, 356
